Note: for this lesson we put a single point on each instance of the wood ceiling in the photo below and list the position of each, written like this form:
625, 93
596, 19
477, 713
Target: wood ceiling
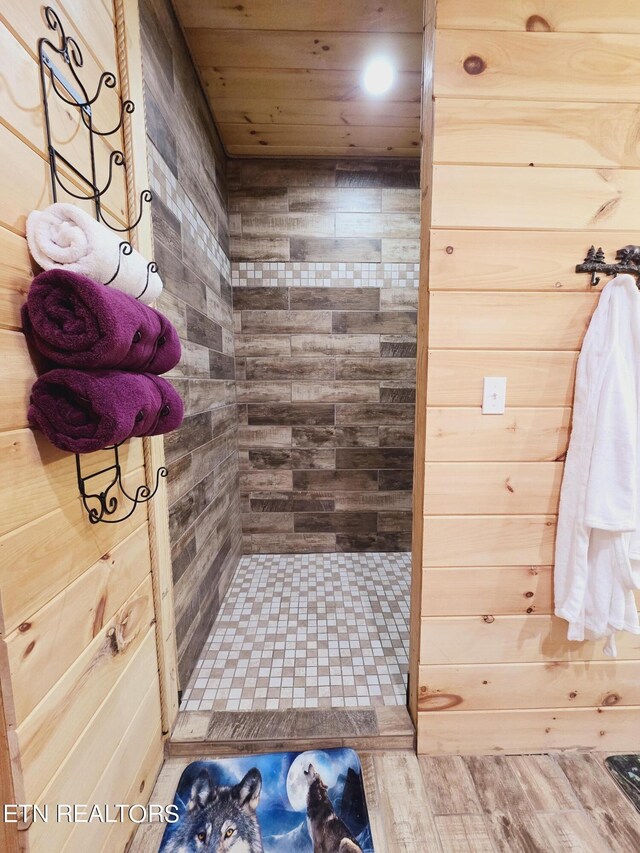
283, 77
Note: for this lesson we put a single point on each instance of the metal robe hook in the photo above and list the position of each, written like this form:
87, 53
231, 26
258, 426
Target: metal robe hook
598, 258
628, 261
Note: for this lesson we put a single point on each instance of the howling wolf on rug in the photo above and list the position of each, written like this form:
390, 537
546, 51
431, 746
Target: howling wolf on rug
328, 832
289, 802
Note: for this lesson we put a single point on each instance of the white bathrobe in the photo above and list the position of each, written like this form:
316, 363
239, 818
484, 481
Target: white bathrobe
597, 563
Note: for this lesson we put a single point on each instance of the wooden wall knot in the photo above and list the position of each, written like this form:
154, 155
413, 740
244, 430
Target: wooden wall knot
611, 699
123, 635
98, 620
605, 210
126, 629
538, 24
120, 637
474, 65
438, 701
113, 642
488, 619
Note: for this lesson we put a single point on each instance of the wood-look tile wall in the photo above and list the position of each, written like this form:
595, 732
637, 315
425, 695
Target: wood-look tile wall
191, 244
325, 210
325, 354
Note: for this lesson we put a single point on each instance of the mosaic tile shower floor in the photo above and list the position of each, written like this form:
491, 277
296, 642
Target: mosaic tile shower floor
308, 631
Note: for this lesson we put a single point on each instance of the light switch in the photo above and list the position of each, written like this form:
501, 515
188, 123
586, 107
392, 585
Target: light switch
494, 395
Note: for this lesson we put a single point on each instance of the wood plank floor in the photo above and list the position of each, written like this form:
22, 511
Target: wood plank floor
200, 733
476, 804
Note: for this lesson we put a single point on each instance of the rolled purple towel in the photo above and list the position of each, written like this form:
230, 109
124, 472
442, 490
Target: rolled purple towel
83, 411
75, 322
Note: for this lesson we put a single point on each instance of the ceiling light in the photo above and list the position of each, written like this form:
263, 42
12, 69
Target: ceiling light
379, 75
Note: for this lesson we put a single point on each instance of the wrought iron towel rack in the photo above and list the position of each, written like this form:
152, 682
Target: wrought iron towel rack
103, 504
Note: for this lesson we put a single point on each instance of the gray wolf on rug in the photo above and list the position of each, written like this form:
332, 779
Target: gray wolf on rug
328, 833
220, 818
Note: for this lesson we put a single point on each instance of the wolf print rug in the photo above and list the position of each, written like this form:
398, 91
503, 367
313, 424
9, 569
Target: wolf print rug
282, 802
625, 769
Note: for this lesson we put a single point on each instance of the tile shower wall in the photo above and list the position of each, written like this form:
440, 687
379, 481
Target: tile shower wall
191, 247
325, 277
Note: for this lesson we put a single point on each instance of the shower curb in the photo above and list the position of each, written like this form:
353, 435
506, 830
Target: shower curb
218, 733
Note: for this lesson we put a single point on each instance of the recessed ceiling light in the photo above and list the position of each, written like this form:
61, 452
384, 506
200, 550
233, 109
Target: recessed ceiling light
379, 75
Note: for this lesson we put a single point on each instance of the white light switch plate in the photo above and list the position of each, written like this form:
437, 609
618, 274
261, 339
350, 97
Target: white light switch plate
494, 396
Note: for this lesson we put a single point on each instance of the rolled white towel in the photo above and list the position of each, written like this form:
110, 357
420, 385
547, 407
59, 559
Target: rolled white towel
63, 235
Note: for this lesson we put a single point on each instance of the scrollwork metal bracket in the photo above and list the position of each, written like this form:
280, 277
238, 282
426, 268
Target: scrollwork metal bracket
101, 504
70, 89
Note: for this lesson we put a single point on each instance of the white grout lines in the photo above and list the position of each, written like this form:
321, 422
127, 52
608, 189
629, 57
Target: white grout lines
308, 631
324, 274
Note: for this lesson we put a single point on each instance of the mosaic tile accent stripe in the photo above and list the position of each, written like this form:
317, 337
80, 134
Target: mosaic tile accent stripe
164, 184
323, 274
308, 631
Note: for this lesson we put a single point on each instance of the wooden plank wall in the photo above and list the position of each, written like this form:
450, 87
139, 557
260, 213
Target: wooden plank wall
9, 834
535, 157
78, 662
